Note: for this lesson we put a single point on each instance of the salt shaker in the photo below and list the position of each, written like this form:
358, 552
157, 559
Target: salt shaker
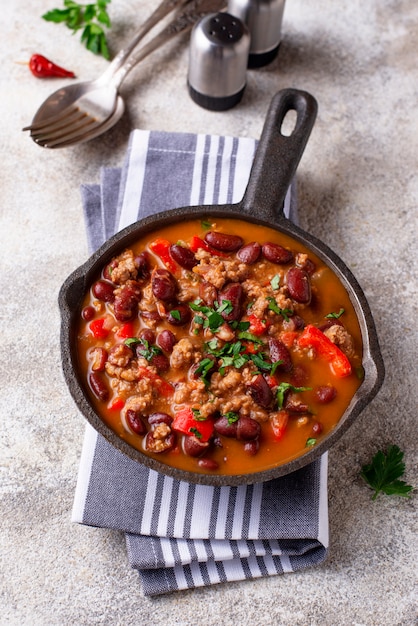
264, 21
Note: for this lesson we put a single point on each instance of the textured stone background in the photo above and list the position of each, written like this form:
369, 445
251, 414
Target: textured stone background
358, 191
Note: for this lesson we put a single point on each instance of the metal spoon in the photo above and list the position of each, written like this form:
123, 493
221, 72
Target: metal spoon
80, 112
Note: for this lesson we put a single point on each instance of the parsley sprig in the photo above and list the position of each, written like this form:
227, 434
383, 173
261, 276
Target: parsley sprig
384, 472
90, 18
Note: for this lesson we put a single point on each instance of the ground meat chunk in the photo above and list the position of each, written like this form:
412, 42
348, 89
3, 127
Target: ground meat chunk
143, 397
188, 285
159, 438
342, 338
218, 271
184, 353
192, 392
124, 268
120, 355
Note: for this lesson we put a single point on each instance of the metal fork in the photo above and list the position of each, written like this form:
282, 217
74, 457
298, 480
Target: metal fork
82, 111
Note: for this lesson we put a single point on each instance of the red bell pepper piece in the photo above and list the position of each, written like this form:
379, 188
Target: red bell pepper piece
98, 328
162, 385
41, 67
312, 337
161, 247
116, 404
125, 331
197, 243
257, 326
288, 337
278, 424
185, 422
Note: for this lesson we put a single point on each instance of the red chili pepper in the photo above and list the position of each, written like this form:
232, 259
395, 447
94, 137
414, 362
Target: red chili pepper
312, 337
41, 67
197, 243
162, 385
98, 328
185, 422
161, 247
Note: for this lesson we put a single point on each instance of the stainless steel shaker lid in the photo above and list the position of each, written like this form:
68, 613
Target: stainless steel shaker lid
218, 58
264, 21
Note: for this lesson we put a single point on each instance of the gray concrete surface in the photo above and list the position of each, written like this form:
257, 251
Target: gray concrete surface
358, 190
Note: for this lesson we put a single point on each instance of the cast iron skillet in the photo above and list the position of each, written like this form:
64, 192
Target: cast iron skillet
274, 166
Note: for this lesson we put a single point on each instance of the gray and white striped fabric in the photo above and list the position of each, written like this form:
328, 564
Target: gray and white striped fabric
182, 536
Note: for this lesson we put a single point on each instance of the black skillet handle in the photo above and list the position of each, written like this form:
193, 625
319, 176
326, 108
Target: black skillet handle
278, 155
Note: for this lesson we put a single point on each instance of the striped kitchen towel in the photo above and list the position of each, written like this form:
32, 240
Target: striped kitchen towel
182, 536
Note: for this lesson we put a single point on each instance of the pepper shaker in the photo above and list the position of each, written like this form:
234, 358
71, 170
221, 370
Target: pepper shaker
218, 57
264, 21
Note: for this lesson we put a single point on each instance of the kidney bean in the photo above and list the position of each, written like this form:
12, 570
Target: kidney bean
183, 256
125, 305
99, 359
223, 241
152, 317
99, 387
299, 285
103, 290
233, 292
247, 429
208, 293
135, 422
224, 428
208, 464
163, 284
146, 334
179, 315
325, 393
166, 340
260, 391
275, 253
252, 447
107, 273
141, 262
159, 418
161, 362
88, 313
279, 352
294, 323
250, 253
193, 446
317, 428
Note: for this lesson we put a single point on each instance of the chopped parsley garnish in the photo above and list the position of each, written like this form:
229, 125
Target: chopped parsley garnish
383, 474
147, 352
203, 369
232, 417
195, 432
206, 224
275, 282
310, 442
283, 388
335, 316
273, 306
176, 314
250, 337
213, 318
197, 416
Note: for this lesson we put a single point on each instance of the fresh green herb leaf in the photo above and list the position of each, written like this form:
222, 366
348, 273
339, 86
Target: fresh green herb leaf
148, 351
259, 362
203, 370
199, 319
225, 307
274, 366
335, 316
197, 416
195, 432
206, 224
273, 306
283, 388
310, 442
176, 314
88, 18
132, 341
232, 417
383, 473
275, 282
249, 337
